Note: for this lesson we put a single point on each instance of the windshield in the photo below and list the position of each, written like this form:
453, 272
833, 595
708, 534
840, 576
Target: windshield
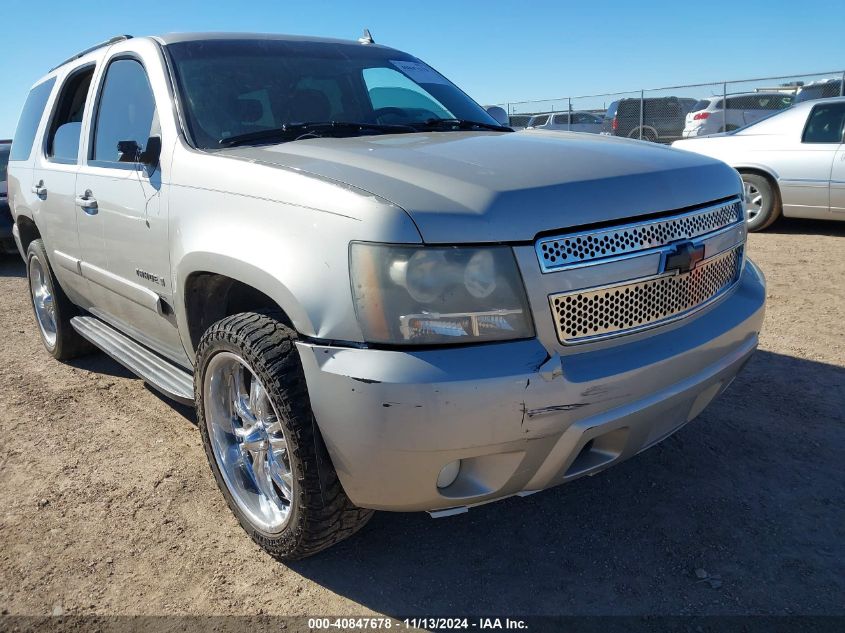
234, 87
758, 126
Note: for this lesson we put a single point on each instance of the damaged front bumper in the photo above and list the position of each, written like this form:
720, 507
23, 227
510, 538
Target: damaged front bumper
518, 417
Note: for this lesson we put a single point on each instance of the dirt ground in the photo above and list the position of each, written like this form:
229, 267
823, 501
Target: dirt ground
108, 506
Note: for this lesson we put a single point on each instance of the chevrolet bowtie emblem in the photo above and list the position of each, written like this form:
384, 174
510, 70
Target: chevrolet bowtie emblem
684, 257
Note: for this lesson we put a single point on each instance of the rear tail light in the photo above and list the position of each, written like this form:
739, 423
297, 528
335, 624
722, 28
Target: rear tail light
700, 116
614, 125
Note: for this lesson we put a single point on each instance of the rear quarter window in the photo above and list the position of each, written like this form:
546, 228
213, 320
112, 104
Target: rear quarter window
33, 111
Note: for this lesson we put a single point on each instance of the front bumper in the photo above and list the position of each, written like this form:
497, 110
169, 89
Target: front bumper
7, 241
518, 418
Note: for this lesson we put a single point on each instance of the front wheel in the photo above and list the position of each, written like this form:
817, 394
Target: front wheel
262, 441
762, 202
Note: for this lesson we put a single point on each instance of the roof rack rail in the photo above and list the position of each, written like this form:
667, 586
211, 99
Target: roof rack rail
108, 42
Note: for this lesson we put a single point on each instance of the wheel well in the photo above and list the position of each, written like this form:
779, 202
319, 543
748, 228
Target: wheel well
28, 231
210, 297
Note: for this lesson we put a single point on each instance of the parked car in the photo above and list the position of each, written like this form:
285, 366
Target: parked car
519, 121
659, 119
820, 90
7, 243
792, 163
374, 295
570, 121
713, 116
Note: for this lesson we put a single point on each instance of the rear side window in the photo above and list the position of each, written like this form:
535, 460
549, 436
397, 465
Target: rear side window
126, 111
702, 104
31, 115
825, 124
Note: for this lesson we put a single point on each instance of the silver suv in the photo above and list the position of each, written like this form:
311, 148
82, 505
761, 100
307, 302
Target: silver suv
326, 247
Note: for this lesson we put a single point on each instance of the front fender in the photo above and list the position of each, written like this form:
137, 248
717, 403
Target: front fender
285, 234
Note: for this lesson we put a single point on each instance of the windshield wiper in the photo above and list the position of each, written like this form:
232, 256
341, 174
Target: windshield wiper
293, 131
462, 124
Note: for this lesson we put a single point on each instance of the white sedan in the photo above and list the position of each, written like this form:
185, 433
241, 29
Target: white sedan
567, 121
792, 163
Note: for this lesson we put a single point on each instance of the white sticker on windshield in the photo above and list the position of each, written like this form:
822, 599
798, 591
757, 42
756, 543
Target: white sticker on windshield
419, 72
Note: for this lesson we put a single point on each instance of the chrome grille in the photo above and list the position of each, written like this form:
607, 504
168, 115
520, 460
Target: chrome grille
621, 309
587, 247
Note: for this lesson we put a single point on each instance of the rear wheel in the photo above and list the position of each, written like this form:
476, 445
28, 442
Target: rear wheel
53, 310
647, 135
762, 201
262, 442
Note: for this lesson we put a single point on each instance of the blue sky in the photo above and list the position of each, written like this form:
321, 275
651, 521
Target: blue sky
496, 51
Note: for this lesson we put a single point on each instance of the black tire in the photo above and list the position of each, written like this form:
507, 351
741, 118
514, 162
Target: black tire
770, 205
321, 514
68, 343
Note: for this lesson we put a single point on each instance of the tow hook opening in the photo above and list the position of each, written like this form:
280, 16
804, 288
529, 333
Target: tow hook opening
599, 451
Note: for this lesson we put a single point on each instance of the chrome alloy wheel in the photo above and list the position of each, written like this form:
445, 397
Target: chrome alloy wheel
753, 200
42, 300
248, 442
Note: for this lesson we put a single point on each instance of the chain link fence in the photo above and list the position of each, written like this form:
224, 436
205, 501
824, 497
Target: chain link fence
667, 114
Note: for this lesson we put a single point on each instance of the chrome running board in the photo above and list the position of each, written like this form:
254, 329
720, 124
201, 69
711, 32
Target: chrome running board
174, 382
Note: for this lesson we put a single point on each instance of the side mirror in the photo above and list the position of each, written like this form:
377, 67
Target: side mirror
499, 115
130, 152
152, 153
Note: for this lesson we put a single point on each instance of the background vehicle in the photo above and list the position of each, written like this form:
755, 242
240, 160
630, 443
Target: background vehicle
662, 118
573, 122
710, 116
792, 163
325, 246
7, 243
820, 90
519, 121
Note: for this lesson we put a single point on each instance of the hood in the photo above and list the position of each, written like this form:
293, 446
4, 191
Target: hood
462, 187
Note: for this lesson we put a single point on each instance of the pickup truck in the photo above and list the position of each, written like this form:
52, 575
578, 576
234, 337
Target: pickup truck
376, 296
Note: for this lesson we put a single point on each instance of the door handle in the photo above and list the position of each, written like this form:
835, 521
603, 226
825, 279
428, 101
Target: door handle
87, 202
39, 190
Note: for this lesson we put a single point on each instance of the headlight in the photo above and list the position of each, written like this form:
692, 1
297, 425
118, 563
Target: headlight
421, 295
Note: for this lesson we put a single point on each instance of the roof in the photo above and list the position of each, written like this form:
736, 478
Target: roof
174, 38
